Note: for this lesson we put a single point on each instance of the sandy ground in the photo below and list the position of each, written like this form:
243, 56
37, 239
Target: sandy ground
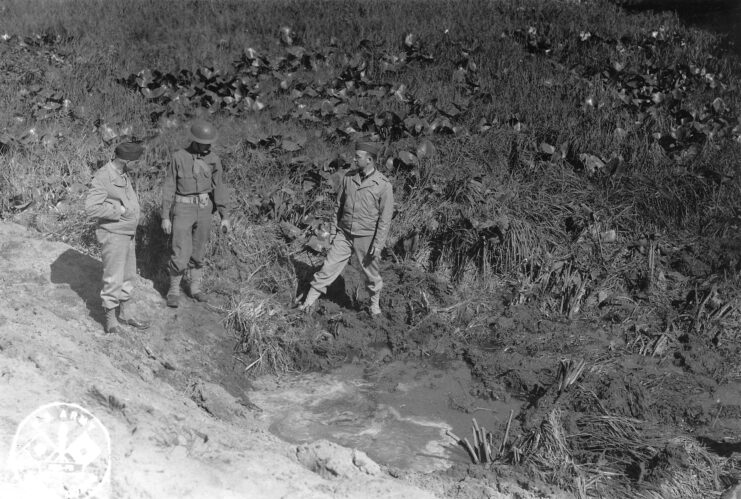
173, 431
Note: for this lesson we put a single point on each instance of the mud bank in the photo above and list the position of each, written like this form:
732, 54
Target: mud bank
172, 399
175, 432
630, 399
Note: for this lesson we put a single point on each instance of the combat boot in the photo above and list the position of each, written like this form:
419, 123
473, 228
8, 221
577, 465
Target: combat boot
375, 304
310, 299
125, 316
196, 279
111, 322
173, 294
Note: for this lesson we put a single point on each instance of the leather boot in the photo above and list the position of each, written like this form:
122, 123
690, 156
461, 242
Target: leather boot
111, 322
310, 299
173, 294
125, 316
375, 304
196, 279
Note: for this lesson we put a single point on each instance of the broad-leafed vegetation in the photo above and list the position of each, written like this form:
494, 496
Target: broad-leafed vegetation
558, 155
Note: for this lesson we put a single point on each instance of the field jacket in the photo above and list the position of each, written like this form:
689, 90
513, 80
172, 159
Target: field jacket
365, 206
189, 174
110, 190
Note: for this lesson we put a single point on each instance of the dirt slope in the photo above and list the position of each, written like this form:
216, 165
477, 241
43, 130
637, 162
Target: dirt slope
175, 431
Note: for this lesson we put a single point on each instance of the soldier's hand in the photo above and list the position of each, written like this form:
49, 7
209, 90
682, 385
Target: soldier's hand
123, 209
226, 225
167, 226
369, 257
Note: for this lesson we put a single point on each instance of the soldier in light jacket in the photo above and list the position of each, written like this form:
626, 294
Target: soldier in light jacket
365, 204
114, 203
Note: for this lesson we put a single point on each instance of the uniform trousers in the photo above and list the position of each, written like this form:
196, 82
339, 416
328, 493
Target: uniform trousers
343, 246
191, 228
119, 267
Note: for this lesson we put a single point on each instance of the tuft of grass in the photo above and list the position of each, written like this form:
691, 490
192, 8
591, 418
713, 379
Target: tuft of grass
266, 341
615, 456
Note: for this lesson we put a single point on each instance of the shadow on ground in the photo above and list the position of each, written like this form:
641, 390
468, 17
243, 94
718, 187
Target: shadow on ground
725, 449
83, 274
153, 253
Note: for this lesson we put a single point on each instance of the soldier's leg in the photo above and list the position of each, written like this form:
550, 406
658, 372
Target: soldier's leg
337, 257
201, 236
370, 265
113, 254
371, 269
129, 273
182, 246
184, 218
125, 314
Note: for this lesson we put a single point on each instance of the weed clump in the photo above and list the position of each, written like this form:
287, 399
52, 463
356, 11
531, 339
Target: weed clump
615, 456
265, 340
559, 156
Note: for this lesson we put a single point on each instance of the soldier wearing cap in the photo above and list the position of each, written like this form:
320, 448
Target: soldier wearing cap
192, 189
114, 203
365, 204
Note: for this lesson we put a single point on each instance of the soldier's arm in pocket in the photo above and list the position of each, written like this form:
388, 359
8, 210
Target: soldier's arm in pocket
99, 205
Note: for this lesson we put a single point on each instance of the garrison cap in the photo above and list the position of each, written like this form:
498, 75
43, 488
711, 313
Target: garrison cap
129, 151
370, 147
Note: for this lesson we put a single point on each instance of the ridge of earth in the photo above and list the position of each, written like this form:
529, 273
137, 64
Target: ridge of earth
175, 429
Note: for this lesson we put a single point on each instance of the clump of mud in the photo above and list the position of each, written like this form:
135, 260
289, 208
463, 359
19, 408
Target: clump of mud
627, 423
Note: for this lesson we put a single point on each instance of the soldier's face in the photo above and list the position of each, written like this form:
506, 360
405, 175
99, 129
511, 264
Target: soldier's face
364, 159
201, 149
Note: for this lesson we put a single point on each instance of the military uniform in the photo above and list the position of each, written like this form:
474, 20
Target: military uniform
192, 189
360, 226
114, 203
189, 181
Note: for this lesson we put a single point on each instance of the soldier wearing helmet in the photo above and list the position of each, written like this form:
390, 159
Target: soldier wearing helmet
365, 204
193, 189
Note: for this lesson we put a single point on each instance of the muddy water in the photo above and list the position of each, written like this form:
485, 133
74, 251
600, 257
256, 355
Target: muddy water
396, 412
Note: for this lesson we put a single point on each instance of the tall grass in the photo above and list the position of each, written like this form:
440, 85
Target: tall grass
488, 210
85, 47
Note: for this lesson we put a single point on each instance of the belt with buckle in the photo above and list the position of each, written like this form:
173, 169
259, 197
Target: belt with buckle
201, 199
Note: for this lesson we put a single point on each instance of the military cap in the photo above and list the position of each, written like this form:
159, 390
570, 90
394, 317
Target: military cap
370, 147
129, 151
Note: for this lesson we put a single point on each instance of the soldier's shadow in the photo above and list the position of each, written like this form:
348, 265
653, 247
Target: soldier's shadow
336, 292
83, 274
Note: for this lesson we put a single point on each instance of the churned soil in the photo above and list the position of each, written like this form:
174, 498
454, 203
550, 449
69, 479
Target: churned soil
674, 391
172, 398
181, 424
162, 394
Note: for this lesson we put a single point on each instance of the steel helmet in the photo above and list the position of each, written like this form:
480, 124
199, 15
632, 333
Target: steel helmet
202, 132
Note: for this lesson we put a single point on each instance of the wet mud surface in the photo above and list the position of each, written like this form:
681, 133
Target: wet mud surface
677, 394
175, 430
398, 412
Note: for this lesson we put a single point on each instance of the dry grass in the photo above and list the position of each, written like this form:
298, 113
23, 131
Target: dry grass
546, 449
489, 211
266, 340
613, 456
482, 205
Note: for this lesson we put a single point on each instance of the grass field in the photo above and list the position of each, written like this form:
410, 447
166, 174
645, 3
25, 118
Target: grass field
564, 150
